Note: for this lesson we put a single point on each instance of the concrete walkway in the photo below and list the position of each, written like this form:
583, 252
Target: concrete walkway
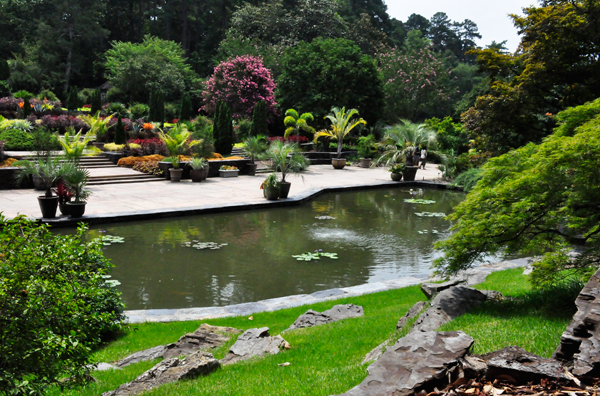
161, 199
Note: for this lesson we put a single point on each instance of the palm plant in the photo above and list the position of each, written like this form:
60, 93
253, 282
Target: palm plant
254, 146
177, 141
296, 123
98, 125
286, 157
73, 147
400, 140
47, 168
77, 179
341, 125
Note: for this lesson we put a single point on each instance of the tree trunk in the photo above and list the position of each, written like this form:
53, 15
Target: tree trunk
340, 144
184, 25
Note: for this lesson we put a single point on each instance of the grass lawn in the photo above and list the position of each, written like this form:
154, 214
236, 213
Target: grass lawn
326, 360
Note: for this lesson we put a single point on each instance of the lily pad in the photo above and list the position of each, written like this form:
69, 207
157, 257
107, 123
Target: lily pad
430, 214
419, 201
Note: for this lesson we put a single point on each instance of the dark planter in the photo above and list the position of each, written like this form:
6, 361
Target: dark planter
76, 209
338, 163
48, 206
205, 172
396, 176
251, 168
365, 162
165, 166
38, 183
196, 175
114, 156
410, 173
64, 209
284, 189
176, 174
272, 194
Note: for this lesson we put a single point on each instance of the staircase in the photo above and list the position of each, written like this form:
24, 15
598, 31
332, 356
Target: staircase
103, 171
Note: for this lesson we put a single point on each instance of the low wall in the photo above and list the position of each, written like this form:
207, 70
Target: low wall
8, 177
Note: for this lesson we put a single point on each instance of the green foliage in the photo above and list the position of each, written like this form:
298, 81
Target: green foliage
73, 99
450, 135
98, 125
76, 178
202, 130
120, 136
537, 199
96, 102
366, 146
255, 146
139, 110
295, 123
322, 73
47, 94
177, 142
157, 107
56, 304
4, 70
223, 129
138, 68
341, 125
286, 157
16, 139
260, 125
26, 108
244, 129
22, 94
171, 111
185, 110
468, 179
400, 140
73, 146
117, 110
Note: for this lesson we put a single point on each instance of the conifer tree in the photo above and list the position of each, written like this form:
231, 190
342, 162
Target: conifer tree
73, 99
4, 70
185, 111
223, 129
259, 119
26, 108
160, 107
96, 102
120, 133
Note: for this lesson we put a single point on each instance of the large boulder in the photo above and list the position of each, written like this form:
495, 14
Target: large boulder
254, 342
431, 289
417, 362
447, 305
338, 312
580, 343
169, 370
521, 365
414, 311
142, 356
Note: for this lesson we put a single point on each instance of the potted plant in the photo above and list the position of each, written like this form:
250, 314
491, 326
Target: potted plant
77, 179
198, 169
341, 125
48, 170
177, 141
366, 149
271, 187
64, 194
228, 171
286, 157
396, 171
254, 147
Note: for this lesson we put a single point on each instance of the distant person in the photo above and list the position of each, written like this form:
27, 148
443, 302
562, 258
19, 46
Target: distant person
416, 156
423, 156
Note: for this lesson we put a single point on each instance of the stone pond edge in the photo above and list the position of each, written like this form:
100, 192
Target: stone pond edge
473, 276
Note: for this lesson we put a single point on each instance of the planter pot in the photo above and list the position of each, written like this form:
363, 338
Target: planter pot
396, 176
272, 194
410, 173
338, 163
38, 183
64, 209
165, 166
114, 157
176, 174
229, 173
196, 175
251, 169
365, 162
76, 209
284, 189
205, 172
48, 206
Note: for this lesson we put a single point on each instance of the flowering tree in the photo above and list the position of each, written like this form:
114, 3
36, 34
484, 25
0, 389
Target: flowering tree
240, 82
415, 83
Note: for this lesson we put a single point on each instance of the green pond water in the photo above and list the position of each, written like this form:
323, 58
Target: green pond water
376, 235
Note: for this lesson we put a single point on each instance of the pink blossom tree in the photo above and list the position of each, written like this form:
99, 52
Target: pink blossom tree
241, 83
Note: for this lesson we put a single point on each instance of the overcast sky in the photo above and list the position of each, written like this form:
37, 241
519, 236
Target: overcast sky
490, 16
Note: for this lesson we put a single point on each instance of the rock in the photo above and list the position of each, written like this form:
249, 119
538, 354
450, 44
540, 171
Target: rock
473, 366
523, 366
142, 356
376, 352
414, 311
431, 289
103, 367
449, 304
205, 337
169, 370
580, 343
419, 361
492, 295
254, 342
338, 312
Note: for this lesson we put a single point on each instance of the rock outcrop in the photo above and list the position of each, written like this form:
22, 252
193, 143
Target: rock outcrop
414, 311
254, 342
431, 289
419, 361
521, 365
580, 343
338, 312
169, 370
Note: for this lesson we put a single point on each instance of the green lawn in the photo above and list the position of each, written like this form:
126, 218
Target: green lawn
326, 360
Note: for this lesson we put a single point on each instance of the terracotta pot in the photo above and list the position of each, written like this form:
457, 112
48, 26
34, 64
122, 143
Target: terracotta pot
176, 174
396, 176
196, 175
338, 163
272, 194
76, 209
48, 206
365, 162
251, 169
284, 189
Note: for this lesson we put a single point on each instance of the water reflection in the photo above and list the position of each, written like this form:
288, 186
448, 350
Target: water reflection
375, 233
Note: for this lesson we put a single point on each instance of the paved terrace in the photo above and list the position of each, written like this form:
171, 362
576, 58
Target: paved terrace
121, 202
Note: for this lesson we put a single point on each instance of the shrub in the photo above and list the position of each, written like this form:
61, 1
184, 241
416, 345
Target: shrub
47, 94
150, 167
22, 94
185, 110
243, 129
9, 104
171, 112
131, 161
118, 109
141, 147
113, 147
120, 136
139, 110
56, 305
16, 139
469, 178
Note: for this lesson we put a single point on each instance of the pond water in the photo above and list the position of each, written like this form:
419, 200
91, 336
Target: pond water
376, 235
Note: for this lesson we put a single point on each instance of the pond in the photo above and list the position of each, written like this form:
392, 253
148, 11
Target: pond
169, 263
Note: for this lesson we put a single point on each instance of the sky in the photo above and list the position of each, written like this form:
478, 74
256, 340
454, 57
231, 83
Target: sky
490, 16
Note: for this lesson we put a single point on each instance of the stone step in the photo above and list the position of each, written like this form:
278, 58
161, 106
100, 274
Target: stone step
111, 165
124, 181
122, 177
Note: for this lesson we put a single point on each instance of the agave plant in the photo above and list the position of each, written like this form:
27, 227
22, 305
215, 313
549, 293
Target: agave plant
400, 140
77, 178
296, 123
198, 163
341, 125
254, 146
177, 140
286, 157
98, 125
73, 146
